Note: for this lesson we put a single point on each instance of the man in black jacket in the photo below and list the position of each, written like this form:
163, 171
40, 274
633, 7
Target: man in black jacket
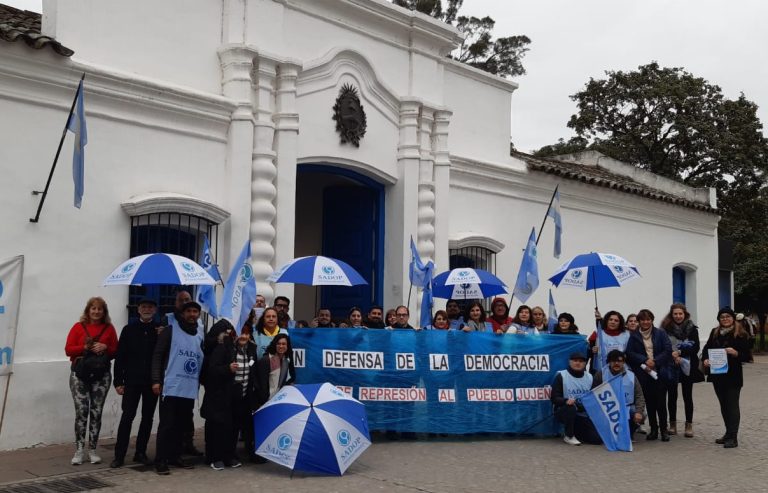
133, 368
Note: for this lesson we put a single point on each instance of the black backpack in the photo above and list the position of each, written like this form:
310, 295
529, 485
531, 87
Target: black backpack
91, 367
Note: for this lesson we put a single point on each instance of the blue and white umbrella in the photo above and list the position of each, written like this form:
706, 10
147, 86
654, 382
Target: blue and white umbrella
312, 428
159, 268
594, 271
467, 284
317, 271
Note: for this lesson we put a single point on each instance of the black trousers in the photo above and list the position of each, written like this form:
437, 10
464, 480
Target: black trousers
576, 425
218, 441
728, 396
242, 421
687, 386
174, 416
655, 392
131, 397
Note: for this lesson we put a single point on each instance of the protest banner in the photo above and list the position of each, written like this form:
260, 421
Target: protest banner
440, 381
11, 271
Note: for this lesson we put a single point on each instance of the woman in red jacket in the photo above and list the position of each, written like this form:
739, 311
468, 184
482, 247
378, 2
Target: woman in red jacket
92, 338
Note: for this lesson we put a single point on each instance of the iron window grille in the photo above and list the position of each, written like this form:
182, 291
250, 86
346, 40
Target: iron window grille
168, 232
474, 258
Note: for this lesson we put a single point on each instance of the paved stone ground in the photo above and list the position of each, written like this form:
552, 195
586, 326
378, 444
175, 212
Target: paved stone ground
487, 464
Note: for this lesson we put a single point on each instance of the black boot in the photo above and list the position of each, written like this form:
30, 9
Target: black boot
653, 434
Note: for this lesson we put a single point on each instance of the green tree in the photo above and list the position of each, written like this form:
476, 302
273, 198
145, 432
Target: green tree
677, 125
502, 56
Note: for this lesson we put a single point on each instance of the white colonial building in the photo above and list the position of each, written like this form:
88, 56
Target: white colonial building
217, 118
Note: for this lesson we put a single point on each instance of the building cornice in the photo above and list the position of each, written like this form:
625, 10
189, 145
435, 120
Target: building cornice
584, 197
473, 239
170, 202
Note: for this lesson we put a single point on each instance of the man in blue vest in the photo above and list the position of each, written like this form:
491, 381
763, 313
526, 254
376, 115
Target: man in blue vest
567, 389
633, 393
183, 297
176, 364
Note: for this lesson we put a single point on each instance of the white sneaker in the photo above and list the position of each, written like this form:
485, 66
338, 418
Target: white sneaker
77, 459
571, 440
95, 459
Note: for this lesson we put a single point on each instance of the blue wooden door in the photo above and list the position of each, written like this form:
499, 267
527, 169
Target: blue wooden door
350, 233
678, 285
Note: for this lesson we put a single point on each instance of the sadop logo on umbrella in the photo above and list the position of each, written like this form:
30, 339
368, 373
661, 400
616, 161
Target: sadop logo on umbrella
187, 266
128, 267
284, 441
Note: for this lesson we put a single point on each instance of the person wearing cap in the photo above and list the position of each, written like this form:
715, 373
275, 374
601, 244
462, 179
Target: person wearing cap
734, 339
500, 319
567, 389
566, 324
133, 381
176, 364
633, 393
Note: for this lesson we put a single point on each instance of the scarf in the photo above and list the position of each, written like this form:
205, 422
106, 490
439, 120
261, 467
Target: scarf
725, 330
275, 361
647, 341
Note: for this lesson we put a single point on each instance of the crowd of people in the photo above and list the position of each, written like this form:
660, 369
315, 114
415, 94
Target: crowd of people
166, 358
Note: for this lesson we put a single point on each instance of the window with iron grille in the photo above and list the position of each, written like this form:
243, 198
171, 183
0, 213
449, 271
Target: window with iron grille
178, 234
474, 258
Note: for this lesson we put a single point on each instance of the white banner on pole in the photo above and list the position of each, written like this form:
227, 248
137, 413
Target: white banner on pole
11, 272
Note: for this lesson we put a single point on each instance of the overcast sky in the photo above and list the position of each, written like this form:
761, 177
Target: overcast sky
573, 40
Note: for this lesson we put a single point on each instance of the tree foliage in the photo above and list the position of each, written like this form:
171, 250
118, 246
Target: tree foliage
502, 56
677, 125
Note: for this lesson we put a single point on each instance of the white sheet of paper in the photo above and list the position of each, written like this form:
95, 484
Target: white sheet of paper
718, 361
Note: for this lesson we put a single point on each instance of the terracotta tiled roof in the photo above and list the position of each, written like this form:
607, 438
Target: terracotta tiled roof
24, 25
595, 175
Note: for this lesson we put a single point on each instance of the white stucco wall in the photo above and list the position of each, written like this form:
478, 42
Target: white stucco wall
654, 236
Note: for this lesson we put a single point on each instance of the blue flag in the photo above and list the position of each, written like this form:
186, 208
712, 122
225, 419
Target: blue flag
606, 406
554, 213
602, 349
528, 276
76, 125
426, 299
417, 271
552, 319
240, 291
206, 295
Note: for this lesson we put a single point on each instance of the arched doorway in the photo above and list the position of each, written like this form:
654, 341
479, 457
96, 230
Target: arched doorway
339, 214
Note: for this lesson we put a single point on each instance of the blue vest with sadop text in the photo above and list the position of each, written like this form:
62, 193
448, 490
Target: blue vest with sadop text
575, 388
185, 359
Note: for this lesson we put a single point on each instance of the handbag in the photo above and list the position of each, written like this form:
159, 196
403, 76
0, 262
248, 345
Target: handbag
91, 367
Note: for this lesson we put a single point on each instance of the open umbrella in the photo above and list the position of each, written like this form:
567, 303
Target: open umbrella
594, 271
312, 428
317, 271
466, 283
158, 268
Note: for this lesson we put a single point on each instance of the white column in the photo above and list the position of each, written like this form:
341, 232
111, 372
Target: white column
263, 190
236, 66
286, 120
442, 177
425, 240
233, 16
402, 206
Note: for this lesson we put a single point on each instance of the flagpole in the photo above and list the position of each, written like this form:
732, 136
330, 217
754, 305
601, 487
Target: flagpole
44, 193
552, 199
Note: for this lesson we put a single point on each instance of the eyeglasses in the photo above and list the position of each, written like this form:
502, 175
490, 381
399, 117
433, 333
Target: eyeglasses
281, 305
402, 314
